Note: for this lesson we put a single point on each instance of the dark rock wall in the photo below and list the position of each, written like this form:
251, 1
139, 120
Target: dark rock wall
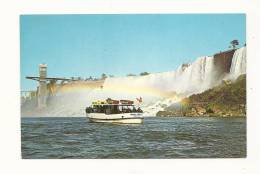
223, 61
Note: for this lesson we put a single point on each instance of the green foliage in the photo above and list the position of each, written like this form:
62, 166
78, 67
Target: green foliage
144, 73
227, 99
209, 110
223, 94
103, 76
130, 74
234, 43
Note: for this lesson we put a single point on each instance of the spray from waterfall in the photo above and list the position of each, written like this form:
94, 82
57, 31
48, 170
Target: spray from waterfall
156, 89
187, 79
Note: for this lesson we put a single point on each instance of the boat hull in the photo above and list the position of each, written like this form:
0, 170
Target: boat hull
119, 121
116, 118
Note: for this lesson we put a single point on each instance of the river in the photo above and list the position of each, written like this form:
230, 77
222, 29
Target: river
157, 137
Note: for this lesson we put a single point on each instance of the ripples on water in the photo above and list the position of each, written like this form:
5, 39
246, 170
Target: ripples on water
157, 138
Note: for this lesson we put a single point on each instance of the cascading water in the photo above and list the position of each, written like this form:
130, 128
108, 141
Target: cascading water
187, 79
157, 89
238, 65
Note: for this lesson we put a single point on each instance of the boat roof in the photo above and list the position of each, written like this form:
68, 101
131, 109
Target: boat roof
114, 104
110, 102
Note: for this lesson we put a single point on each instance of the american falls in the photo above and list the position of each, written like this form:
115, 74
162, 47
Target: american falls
158, 90
238, 65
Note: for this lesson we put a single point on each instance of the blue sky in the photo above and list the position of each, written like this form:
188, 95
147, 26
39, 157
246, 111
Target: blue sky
89, 45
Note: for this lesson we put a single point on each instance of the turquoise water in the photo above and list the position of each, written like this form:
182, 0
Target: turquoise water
178, 137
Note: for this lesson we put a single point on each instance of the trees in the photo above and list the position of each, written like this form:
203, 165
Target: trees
144, 73
234, 43
130, 74
103, 76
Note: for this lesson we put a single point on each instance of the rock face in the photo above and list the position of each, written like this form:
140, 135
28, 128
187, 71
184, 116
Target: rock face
225, 100
223, 60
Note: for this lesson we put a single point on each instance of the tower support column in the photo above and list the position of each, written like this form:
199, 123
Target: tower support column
42, 93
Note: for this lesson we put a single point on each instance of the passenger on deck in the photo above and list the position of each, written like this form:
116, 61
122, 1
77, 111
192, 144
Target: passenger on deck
139, 110
120, 109
128, 110
123, 109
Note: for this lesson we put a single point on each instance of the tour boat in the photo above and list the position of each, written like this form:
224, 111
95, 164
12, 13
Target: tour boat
114, 111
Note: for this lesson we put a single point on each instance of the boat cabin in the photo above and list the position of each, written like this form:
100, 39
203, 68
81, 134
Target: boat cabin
113, 107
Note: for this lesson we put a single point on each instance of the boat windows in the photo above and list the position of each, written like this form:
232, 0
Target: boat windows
113, 109
98, 109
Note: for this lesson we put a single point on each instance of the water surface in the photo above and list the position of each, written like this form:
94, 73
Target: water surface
178, 137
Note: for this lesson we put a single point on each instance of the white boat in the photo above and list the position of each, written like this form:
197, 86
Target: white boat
114, 111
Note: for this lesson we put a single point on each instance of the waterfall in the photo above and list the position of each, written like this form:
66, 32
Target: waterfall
187, 79
157, 89
161, 89
238, 65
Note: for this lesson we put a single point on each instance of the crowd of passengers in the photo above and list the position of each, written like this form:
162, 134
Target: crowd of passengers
113, 109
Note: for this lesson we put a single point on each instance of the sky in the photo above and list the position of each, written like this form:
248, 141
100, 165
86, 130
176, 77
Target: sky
89, 45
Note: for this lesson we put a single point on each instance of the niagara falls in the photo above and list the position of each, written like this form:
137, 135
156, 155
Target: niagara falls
123, 86
172, 86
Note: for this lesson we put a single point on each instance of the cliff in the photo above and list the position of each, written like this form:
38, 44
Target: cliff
226, 100
223, 60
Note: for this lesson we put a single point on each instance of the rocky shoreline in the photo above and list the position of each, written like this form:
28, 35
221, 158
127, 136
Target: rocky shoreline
225, 100
195, 112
